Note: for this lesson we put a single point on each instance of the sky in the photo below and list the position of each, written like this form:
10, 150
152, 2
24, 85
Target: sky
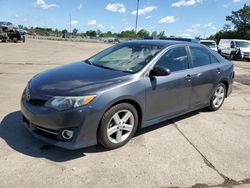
186, 18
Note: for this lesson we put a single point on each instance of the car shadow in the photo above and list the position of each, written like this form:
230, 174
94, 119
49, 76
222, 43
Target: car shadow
19, 139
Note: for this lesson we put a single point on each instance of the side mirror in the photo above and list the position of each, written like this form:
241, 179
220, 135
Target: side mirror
159, 71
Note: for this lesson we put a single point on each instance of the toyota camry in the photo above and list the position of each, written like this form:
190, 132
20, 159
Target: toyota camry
106, 98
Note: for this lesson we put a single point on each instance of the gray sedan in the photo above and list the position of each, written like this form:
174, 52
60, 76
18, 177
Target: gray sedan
108, 97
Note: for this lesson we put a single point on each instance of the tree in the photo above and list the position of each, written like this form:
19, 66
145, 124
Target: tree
198, 37
154, 34
20, 26
240, 19
161, 34
74, 31
227, 27
91, 33
143, 33
64, 33
98, 32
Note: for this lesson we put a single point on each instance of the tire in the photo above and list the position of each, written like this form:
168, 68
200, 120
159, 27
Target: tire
120, 133
219, 95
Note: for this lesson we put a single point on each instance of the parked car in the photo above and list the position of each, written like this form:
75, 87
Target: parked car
9, 33
105, 99
111, 40
235, 48
6, 25
210, 43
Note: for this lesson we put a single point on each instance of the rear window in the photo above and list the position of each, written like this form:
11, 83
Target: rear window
200, 57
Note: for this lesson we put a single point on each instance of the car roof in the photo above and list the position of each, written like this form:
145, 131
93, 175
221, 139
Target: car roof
163, 43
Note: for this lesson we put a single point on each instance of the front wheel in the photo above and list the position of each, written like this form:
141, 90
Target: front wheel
118, 125
232, 56
218, 97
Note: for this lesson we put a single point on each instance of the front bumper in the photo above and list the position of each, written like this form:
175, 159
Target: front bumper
47, 124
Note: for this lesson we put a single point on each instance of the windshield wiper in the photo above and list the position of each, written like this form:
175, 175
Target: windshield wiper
102, 66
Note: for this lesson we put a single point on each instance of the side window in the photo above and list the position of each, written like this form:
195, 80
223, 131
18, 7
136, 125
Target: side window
232, 44
175, 59
199, 56
213, 59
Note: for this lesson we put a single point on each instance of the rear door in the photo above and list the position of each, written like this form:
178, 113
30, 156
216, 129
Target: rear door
204, 77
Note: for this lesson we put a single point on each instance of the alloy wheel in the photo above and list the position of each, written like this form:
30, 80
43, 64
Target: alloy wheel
120, 126
218, 96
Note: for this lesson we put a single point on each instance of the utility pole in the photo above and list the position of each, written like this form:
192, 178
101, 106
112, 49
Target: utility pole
70, 24
136, 21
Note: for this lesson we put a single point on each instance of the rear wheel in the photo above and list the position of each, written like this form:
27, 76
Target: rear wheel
218, 97
118, 125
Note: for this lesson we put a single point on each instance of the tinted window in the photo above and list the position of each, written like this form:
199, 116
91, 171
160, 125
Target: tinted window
213, 59
175, 59
200, 57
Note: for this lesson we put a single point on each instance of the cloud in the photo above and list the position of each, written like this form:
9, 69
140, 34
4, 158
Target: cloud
196, 25
167, 20
144, 10
127, 29
193, 28
91, 22
43, 5
147, 17
236, 1
208, 24
74, 22
79, 7
116, 7
185, 3
100, 26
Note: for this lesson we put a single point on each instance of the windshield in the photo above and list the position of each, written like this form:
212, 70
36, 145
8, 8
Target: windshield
126, 57
242, 44
210, 44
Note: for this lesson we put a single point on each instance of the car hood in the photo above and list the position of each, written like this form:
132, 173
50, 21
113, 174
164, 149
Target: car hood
75, 79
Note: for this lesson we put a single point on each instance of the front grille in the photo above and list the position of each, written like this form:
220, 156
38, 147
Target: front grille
37, 102
246, 55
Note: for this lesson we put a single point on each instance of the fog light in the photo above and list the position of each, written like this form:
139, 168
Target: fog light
67, 134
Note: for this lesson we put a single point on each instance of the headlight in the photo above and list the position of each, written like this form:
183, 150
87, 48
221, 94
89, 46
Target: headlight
66, 103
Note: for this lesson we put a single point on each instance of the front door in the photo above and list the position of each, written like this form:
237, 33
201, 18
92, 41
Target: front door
169, 95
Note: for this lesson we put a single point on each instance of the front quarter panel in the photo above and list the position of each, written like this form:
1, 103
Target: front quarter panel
133, 90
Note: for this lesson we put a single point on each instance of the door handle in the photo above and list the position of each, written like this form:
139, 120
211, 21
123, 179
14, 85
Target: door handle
218, 70
188, 77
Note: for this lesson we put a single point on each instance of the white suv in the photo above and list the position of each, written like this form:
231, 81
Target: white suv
235, 48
